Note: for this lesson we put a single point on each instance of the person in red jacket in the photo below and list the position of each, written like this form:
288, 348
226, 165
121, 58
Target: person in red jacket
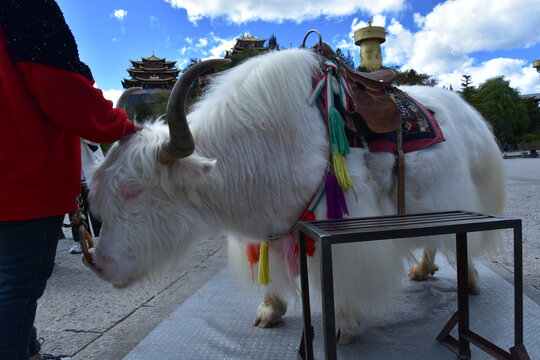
47, 103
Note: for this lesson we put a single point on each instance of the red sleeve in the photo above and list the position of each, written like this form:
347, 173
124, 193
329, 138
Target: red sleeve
72, 102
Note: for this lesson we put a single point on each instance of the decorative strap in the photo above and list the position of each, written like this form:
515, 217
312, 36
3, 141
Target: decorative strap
400, 171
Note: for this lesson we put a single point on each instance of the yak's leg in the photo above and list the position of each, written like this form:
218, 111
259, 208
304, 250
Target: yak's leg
270, 311
425, 267
274, 303
474, 287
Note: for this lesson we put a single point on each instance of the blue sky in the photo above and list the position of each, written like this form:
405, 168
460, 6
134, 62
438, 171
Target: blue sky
446, 39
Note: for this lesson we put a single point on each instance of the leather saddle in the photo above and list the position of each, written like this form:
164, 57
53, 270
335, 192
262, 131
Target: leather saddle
373, 104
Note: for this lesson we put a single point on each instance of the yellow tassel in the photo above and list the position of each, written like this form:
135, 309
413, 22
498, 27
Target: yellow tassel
341, 172
264, 272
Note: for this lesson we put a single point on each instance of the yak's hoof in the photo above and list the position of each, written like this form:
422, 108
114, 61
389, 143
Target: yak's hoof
421, 271
270, 312
474, 288
345, 337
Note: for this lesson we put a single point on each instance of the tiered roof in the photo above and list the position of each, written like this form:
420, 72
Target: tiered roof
151, 72
247, 41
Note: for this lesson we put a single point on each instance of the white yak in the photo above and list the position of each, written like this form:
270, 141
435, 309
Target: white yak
260, 154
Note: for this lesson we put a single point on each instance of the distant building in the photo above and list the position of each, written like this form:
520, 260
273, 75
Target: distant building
151, 73
247, 41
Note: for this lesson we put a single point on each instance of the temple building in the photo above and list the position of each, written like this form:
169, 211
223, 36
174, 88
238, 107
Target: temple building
152, 73
247, 41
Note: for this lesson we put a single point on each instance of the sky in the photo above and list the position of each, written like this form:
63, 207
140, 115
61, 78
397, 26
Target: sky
445, 39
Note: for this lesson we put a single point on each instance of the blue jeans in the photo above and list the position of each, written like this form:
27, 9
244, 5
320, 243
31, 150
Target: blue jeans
27, 252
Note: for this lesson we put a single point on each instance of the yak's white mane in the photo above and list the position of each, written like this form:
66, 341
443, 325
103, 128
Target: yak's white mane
256, 121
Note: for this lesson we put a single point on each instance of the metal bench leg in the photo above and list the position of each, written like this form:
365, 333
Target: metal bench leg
327, 289
461, 346
305, 352
518, 351
463, 295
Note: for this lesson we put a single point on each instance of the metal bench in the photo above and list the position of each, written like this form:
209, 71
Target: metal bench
329, 232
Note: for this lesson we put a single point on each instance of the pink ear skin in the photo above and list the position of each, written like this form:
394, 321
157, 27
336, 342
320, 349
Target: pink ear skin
131, 191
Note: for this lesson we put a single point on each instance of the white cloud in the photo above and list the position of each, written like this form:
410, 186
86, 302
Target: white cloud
112, 94
222, 45
520, 74
449, 38
207, 47
119, 14
399, 44
457, 28
419, 20
203, 42
241, 11
477, 25
154, 21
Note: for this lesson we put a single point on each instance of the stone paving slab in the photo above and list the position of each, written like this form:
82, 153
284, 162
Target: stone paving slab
214, 324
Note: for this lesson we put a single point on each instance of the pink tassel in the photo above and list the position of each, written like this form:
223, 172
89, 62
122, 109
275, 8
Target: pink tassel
291, 256
335, 199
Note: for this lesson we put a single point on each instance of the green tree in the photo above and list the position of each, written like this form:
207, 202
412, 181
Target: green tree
467, 89
412, 77
502, 106
533, 110
347, 59
272, 43
141, 111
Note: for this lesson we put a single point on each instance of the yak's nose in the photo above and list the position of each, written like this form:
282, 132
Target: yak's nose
92, 266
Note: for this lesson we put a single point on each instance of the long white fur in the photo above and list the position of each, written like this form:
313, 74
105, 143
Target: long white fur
261, 153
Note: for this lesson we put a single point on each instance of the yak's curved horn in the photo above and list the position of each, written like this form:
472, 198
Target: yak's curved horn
122, 100
181, 144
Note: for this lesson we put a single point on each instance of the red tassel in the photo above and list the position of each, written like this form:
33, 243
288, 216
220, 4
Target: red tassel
310, 243
253, 253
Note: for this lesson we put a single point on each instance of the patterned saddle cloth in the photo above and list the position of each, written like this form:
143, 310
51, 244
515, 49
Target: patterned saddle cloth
420, 129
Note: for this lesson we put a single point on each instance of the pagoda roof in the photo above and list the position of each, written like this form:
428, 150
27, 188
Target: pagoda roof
145, 70
138, 79
142, 63
247, 37
239, 48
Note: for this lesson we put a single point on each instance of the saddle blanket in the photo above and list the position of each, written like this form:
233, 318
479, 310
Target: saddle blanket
420, 129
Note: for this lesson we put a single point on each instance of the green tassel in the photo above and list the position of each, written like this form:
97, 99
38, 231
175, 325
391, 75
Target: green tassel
341, 172
336, 128
264, 271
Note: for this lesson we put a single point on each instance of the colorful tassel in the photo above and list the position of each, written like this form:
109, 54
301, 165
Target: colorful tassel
336, 128
310, 243
335, 199
264, 270
341, 172
253, 254
291, 256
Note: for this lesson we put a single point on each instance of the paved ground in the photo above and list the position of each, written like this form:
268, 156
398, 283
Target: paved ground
84, 317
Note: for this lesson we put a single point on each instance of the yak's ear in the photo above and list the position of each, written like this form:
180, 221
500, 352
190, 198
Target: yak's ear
131, 191
195, 167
